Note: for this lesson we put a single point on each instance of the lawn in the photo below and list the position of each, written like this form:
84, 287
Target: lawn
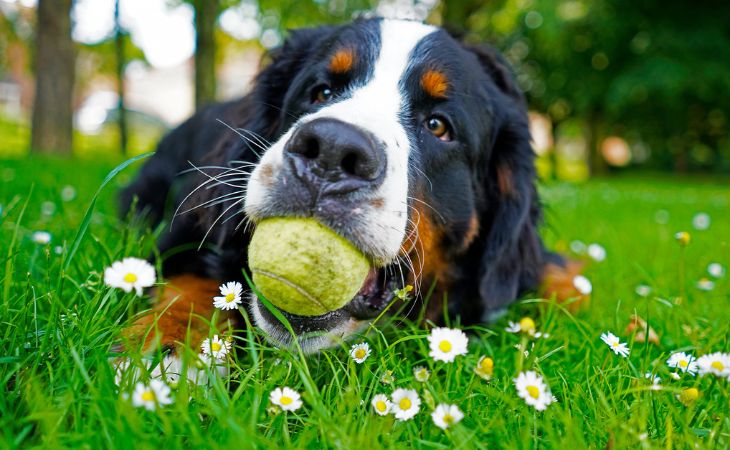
58, 323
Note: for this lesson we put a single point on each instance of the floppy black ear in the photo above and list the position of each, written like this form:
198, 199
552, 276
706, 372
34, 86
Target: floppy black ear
512, 255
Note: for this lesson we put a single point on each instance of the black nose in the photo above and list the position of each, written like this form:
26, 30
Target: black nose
334, 155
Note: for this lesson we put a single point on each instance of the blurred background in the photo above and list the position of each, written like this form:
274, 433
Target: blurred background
613, 85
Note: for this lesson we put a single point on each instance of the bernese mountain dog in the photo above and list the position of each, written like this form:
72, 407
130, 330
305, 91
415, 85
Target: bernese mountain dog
402, 139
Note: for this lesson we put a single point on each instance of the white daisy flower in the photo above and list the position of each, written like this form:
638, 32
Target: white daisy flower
445, 416
684, 362
613, 341
643, 290
577, 247
41, 237
230, 296
286, 398
447, 343
526, 325
705, 284
582, 284
387, 377
421, 374
716, 270
715, 363
68, 193
157, 393
381, 404
405, 403
655, 380
360, 352
597, 252
130, 273
531, 387
701, 221
485, 368
675, 376
217, 348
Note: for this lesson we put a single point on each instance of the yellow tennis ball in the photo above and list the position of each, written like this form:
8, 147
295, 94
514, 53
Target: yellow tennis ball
304, 267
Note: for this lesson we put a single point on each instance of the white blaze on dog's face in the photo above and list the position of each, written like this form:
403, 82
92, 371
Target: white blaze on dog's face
380, 108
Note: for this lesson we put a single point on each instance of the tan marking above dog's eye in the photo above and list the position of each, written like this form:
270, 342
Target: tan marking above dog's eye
342, 61
434, 83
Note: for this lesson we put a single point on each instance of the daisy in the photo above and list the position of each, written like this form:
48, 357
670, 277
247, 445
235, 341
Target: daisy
230, 296
655, 380
405, 403
531, 387
613, 341
597, 252
151, 396
701, 221
360, 352
683, 238
387, 377
716, 270
217, 348
447, 343
381, 404
582, 284
485, 368
68, 193
41, 237
577, 247
286, 398
421, 374
705, 284
688, 396
683, 362
715, 363
445, 416
643, 290
130, 273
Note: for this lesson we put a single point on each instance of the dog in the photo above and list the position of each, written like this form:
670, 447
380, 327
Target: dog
396, 135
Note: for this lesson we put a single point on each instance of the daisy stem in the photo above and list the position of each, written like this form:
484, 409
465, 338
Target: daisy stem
285, 429
521, 354
682, 284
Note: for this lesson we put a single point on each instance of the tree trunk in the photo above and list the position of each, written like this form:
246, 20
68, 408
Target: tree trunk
596, 163
121, 65
206, 13
55, 70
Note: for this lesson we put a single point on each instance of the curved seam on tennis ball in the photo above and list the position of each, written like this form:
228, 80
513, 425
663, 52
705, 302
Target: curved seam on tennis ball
291, 285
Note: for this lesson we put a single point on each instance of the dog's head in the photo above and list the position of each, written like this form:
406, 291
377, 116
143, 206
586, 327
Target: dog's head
410, 144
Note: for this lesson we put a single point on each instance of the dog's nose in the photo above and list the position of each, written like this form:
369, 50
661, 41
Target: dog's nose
335, 156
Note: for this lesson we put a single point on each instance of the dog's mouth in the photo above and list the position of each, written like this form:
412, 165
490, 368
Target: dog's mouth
318, 332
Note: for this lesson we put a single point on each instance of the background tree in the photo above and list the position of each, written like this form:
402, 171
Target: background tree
55, 59
121, 60
206, 14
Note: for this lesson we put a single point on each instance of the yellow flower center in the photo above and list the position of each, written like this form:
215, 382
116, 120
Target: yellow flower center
130, 277
230, 298
381, 406
527, 324
448, 419
614, 344
533, 391
360, 353
445, 346
689, 395
286, 400
487, 365
148, 396
405, 404
717, 365
683, 363
215, 346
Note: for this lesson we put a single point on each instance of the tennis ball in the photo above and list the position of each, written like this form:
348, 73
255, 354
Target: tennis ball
303, 267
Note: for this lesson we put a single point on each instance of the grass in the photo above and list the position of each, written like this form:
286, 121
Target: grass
57, 327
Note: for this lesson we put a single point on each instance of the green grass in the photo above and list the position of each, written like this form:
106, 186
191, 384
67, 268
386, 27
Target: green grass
57, 327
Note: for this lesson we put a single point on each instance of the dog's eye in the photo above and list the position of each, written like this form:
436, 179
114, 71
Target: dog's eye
322, 94
438, 127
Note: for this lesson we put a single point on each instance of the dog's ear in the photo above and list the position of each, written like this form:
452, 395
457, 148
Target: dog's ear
284, 64
512, 249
